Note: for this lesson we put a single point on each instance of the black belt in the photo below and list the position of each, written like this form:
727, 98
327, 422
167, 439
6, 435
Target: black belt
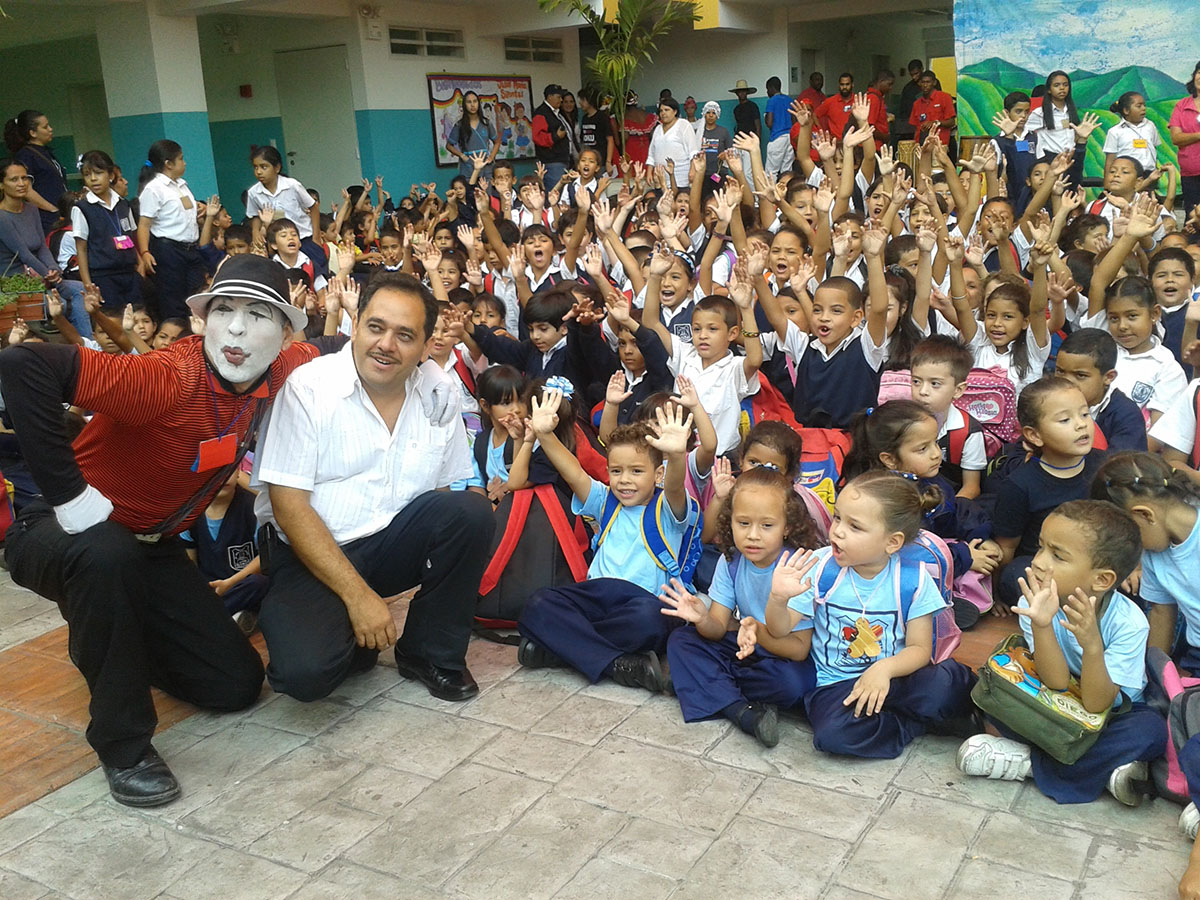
186, 245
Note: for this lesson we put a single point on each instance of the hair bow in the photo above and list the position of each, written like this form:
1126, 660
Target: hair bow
562, 384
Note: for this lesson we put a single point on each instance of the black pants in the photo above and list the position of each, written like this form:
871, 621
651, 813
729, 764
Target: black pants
179, 272
439, 541
1191, 193
139, 615
118, 289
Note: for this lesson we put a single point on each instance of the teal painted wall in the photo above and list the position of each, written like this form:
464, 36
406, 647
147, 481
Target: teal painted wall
231, 143
133, 135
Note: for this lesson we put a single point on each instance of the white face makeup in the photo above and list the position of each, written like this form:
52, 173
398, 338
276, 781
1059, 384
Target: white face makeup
242, 337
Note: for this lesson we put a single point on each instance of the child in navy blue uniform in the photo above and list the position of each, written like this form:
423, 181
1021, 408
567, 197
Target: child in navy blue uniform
743, 673
1088, 358
104, 229
940, 366
610, 625
543, 353
222, 544
1056, 421
1078, 625
877, 688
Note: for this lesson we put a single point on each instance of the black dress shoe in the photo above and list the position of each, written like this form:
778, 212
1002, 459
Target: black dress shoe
148, 782
535, 656
445, 684
639, 670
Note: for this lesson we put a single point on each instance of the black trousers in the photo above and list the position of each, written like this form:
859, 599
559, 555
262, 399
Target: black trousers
439, 541
179, 272
139, 615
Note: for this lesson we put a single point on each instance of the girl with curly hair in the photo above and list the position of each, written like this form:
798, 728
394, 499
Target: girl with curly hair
744, 674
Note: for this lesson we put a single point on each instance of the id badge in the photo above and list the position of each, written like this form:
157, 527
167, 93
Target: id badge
215, 453
1139, 144
186, 201
1023, 147
123, 242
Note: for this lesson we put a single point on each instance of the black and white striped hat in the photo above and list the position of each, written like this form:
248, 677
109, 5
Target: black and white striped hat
254, 278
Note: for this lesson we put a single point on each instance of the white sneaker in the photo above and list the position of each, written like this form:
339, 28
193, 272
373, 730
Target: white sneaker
994, 757
1189, 821
1127, 782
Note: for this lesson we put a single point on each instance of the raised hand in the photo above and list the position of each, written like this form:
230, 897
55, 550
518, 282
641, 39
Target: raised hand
544, 411
672, 430
1059, 286
198, 325
18, 332
661, 261
805, 273
54, 304
619, 308
741, 285
1072, 200
1084, 128
1062, 162
1006, 125
688, 396
474, 274
873, 242
747, 141
975, 251
885, 161
1079, 610
823, 143
723, 480
926, 239
593, 262
516, 262
954, 249
800, 112
266, 215
603, 215
466, 237
861, 109
680, 603
823, 199
615, 393
92, 299
857, 136
790, 577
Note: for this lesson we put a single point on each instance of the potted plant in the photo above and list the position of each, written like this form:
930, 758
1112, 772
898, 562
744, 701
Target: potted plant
25, 295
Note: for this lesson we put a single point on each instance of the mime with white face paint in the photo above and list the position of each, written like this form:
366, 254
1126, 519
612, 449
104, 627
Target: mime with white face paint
168, 430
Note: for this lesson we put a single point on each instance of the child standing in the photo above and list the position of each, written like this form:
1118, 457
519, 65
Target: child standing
168, 233
284, 198
1056, 420
872, 637
610, 625
104, 229
744, 674
1078, 625
940, 366
1134, 135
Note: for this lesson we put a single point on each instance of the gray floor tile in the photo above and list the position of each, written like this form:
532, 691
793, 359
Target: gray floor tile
607, 689
308, 719
659, 722
382, 790
524, 697
930, 769
344, 881
18, 827
81, 792
358, 690
229, 873
812, 809
408, 737
532, 755
760, 860
981, 879
1130, 871
1154, 819
1006, 837
112, 853
584, 720
17, 887
672, 788
604, 878
913, 849
540, 852
314, 838
650, 846
447, 824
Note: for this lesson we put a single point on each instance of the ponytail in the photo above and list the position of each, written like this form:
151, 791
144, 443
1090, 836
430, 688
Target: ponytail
16, 129
1132, 474
1123, 103
879, 430
903, 500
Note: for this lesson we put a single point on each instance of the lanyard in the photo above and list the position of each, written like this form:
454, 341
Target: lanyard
221, 432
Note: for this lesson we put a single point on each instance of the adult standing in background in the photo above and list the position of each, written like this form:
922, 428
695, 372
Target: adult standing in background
714, 139
473, 134
877, 93
779, 122
674, 141
908, 96
813, 95
28, 137
1185, 134
637, 128
568, 111
747, 118
551, 138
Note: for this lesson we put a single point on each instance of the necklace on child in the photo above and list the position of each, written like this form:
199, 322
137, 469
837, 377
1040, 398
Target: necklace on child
874, 590
1075, 465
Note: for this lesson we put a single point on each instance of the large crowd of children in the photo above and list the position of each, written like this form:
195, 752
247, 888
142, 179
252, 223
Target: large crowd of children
766, 385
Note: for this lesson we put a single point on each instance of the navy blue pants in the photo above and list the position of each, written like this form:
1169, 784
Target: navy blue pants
708, 676
118, 289
179, 272
1140, 734
246, 594
591, 623
929, 695
1007, 591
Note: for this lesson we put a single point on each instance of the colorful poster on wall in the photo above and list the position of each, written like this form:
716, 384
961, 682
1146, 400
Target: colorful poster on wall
504, 100
1001, 46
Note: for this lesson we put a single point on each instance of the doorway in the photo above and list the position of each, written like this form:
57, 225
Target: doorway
316, 105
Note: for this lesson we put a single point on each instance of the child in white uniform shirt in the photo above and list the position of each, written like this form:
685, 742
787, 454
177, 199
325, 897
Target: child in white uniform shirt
1134, 135
168, 231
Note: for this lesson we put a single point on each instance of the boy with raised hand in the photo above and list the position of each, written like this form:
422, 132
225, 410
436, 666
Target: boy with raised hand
722, 380
610, 624
1078, 625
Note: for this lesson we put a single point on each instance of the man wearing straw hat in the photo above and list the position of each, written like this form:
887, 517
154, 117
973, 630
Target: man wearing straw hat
746, 115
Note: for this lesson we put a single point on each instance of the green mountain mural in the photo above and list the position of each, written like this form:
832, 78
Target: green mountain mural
983, 85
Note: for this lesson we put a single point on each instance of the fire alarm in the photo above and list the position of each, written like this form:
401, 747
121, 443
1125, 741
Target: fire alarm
246, 91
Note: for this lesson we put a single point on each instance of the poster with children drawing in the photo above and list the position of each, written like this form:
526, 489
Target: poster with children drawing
1105, 48
505, 101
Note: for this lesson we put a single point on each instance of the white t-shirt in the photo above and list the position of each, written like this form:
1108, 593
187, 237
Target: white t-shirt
291, 200
678, 144
721, 386
1050, 140
1139, 141
1177, 427
988, 356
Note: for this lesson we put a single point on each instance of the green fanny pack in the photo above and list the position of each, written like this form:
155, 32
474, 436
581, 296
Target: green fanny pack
1010, 691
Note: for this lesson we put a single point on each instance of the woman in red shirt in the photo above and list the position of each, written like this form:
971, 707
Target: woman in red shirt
1185, 134
639, 125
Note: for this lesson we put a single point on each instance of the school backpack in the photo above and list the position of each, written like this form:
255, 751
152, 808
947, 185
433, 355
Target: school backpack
767, 405
528, 522
679, 562
1177, 698
8, 514
821, 459
991, 398
897, 385
927, 551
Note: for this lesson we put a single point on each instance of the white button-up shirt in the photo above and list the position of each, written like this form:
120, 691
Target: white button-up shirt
291, 200
172, 206
325, 436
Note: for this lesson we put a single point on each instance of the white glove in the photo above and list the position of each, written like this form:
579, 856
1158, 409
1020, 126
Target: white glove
88, 509
438, 394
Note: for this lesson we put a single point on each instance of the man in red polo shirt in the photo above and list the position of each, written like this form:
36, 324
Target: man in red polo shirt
932, 106
877, 97
835, 112
813, 95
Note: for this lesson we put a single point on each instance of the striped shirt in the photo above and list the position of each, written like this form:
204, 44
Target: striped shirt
151, 413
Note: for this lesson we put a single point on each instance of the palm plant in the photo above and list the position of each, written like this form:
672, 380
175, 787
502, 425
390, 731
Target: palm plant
627, 42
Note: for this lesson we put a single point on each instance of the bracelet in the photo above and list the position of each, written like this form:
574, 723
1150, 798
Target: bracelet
750, 334
963, 297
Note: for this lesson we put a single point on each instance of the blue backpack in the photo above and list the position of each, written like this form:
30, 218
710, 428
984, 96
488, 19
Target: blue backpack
925, 552
676, 562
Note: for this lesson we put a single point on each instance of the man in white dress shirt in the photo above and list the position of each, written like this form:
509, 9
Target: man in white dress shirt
353, 462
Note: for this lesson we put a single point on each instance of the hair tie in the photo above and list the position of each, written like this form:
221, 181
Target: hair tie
768, 465
909, 475
870, 409
687, 260
150, 164
561, 383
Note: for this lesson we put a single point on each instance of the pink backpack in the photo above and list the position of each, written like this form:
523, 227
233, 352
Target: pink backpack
991, 398
1177, 698
895, 385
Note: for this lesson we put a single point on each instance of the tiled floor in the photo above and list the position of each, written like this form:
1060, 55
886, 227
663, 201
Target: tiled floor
542, 787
